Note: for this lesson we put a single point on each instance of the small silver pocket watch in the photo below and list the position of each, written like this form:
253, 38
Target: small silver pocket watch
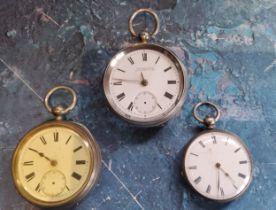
216, 163
145, 84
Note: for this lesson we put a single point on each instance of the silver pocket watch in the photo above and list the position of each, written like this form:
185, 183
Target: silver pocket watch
216, 163
145, 84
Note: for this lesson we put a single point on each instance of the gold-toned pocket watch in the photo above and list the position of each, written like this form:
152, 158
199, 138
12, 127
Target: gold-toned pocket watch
57, 162
145, 84
216, 163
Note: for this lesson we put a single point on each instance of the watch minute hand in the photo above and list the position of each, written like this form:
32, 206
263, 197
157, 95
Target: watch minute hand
40, 154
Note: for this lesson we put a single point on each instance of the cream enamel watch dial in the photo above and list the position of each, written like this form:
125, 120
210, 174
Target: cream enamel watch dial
145, 84
57, 162
218, 165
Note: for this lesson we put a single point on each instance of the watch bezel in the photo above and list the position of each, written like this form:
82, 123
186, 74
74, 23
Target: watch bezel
153, 121
92, 176
184, 172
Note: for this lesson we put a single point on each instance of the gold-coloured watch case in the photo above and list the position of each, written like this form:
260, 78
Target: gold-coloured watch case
92, 176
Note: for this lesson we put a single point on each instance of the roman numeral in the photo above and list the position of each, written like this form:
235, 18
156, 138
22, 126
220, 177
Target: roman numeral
243, 162
30, 176
241, 175
194, 154
76, 176
67, 188
28, 163
157, 60
208, 190
80, 162
77, 149
117, 83
214, 139
68, 140
167, 69
197, 180
43, 140
37, 189
159, 106
144, 56
120, 70
56, 136
202, 144
171, 82
130, 106
221, 192
121, 96
168, 95
237, 150
192, 167
131, 60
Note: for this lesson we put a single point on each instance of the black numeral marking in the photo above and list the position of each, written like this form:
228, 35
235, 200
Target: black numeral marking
28, 163
76, 175
192, 167
160, 107
67, 188
168, 95
68, 140
80, 162
221, 192
131, 60
237, 150
242, 175
121, 96
208, 190
194, 154
167, 69
171, 82
37, 189
157, 60
43, 140
214, 139
121, 70
117, 83
243, 162
197, 180
56, 136
77, 149
145, 56
202, 144
130, 106
30, 176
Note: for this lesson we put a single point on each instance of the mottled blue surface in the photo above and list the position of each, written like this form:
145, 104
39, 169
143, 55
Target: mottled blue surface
229, 48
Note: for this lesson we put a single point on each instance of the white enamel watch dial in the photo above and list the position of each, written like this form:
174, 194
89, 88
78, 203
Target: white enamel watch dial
145, 84
218, 165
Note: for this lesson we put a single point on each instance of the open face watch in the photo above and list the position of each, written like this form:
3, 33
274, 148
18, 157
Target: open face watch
145, 84
216, 163
57, 162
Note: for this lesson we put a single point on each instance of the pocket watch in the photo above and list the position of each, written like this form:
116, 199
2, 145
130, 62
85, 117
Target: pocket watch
216, 163
145, 84
57, 162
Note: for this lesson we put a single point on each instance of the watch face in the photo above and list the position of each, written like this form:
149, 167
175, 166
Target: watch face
54, 164
145, 84
218, 165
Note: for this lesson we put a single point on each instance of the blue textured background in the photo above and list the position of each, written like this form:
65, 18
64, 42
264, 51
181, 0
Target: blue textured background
229, 48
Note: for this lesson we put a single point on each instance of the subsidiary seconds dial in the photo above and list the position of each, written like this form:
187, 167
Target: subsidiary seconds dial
145, 84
